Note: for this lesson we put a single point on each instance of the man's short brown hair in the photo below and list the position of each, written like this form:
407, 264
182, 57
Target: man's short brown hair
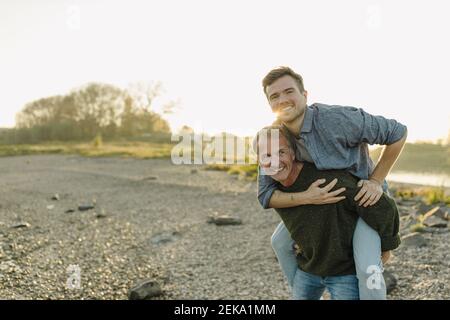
279, 72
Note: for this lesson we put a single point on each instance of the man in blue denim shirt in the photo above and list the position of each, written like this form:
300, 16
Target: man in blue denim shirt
332, 137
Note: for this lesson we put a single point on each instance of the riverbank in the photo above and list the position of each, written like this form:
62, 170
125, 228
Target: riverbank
150, 222
121, 149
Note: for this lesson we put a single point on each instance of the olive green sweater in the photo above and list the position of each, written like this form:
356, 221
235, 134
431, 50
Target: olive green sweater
324, 232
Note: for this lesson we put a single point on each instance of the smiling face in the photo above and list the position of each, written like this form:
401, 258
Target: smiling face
286, 99
276, 159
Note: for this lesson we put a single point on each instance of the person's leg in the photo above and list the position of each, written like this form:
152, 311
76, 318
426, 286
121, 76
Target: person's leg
307, 286
369, 268
343, 287
283, 245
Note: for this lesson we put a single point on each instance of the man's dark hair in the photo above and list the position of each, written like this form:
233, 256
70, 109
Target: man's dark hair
279, 72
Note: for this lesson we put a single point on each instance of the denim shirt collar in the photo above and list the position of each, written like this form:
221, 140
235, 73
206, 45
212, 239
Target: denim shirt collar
307, 122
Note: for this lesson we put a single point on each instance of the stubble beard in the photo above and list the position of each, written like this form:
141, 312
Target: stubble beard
295, 118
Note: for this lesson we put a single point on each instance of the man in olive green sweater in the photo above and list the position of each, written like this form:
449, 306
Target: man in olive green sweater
323, 233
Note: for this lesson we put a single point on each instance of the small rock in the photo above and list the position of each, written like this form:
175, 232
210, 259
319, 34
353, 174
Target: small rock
224, 220
149, 178
194, 171
434, 222
85, 207
414, 239
50, 207
145, 290
20, 225
101, 215
69, 211
165, 237
390, 280
55, 197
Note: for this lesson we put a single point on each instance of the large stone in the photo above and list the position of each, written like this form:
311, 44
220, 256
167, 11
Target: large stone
85, 207
391, 281
165, 237
223, 220
414, 239
145, 290
434, 222
19, 225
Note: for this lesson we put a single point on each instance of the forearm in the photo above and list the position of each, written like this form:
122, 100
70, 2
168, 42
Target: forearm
281, 199
387, 160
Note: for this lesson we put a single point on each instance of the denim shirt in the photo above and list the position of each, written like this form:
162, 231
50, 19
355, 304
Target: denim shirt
337, 137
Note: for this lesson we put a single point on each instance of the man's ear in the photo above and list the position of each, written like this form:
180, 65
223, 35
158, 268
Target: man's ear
305, 94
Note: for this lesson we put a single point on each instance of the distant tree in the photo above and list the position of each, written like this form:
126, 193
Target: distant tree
144, 93
98, 108
88, 111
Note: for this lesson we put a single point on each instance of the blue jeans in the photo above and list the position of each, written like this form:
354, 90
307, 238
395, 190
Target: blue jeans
308, 286
366, 253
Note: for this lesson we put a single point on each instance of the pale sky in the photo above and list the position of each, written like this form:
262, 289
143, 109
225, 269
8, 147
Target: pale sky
388, 57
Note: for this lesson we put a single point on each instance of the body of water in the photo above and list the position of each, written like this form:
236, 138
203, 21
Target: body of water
430, 179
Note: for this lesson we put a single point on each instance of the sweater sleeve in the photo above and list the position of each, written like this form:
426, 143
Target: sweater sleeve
266, 187
383, 217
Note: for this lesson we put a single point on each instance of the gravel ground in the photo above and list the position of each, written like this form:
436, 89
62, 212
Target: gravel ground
143, 201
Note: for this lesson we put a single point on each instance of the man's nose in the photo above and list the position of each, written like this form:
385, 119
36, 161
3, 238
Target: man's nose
283, 99
282, 102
